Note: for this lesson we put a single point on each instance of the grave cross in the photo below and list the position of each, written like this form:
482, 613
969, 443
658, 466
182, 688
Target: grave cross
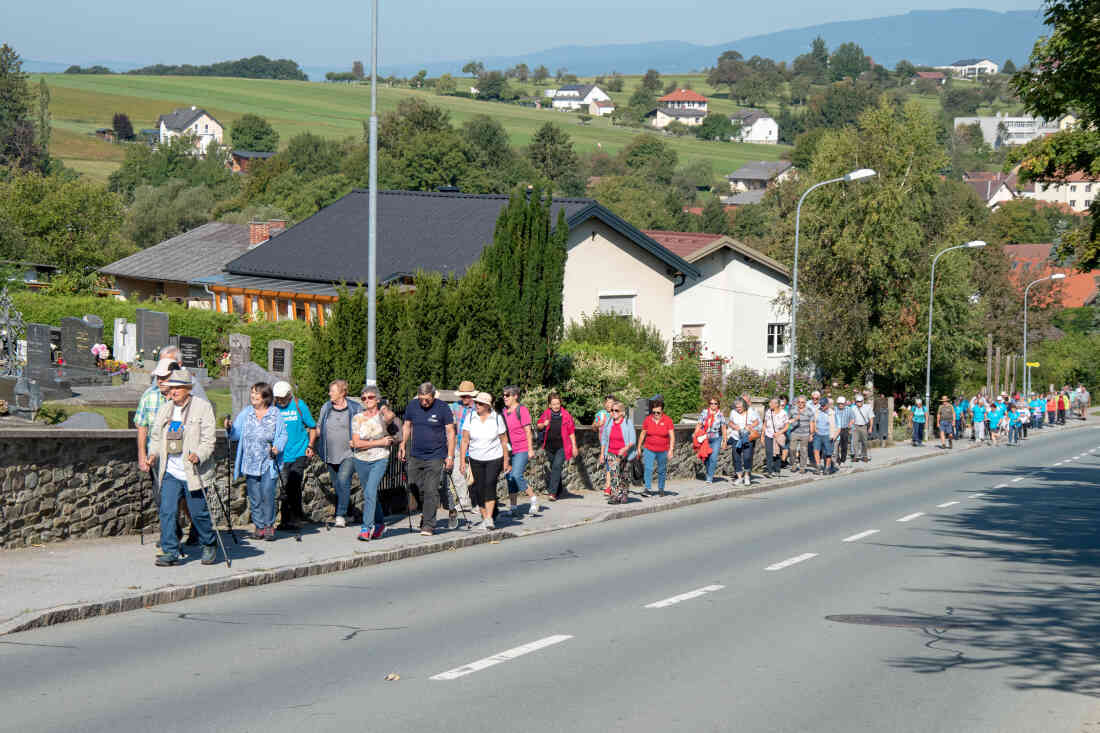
13, 330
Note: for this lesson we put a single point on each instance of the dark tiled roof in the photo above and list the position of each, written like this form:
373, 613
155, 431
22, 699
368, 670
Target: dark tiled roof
747, 117
760, 170
582, 90
440, 232
182, 117
201, 252
680, 112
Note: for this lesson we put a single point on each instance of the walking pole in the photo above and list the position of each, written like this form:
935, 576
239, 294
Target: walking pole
154, 492
228, 489
448, 481
144, 508
408, 494
206, 498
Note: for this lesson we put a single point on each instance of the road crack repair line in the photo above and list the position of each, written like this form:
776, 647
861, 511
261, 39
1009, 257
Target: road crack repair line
505, 656
211, 619
685, 596
792, 561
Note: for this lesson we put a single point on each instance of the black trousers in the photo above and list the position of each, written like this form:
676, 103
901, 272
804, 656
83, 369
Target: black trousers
843, 441
557, 466
293, 477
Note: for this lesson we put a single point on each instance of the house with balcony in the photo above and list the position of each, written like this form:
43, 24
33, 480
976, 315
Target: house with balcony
971, 68
756, 127
683, 105
193, 121
999, 130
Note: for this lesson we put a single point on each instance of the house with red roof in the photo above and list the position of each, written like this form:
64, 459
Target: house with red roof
683, 105
736, 307
1031, 262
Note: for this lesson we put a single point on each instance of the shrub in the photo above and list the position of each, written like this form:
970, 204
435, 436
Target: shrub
608, 328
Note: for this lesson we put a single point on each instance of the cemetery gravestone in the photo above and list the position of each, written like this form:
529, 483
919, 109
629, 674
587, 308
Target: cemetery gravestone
131, 342
190, 351
280, 358
77, 339
93, 320
39, 354
174, 340
152, 331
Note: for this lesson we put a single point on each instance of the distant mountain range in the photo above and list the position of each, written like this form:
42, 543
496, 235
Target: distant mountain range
932, 37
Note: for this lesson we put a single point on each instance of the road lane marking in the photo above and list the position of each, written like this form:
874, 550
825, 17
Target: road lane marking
1001, 486
685, 596
977, 496
911, 517
1017, 480
860, 536
1059, 463
791, 561
519, 651
946, 504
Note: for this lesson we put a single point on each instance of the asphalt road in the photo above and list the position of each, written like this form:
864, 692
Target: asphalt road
973, 606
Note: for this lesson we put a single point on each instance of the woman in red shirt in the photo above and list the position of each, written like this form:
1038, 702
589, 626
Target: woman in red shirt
658, 440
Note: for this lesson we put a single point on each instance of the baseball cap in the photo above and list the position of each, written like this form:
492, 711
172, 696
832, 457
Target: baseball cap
840, 400
164, 368
281, 389
859, 397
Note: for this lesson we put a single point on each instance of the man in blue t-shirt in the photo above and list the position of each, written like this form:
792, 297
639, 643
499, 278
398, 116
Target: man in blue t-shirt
979, 413
428, 439
297, 454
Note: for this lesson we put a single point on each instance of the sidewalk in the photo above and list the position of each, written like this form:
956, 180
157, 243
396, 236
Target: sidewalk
71, 580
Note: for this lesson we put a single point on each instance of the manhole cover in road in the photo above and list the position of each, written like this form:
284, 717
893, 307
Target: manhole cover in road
918, 622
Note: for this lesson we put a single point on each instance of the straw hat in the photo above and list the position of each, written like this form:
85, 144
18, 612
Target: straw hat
180, 378
467, 389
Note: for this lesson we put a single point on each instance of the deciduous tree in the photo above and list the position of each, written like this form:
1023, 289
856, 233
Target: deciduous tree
252, 132
551, 153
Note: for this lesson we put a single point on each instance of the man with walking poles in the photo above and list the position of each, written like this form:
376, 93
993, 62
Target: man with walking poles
181, 454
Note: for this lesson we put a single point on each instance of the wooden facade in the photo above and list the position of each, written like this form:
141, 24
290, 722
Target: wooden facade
276, 305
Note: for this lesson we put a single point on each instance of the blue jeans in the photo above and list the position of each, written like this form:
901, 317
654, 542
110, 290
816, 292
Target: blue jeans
918, 433
261, 499
340, 475
712, 459
370, 475
1013, 433
661, 459
516, 481
170, 490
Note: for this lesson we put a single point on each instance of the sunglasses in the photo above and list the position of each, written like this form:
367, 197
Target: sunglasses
369, 397
614, 410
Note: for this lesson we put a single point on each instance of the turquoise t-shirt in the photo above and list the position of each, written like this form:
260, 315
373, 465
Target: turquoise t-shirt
995, 416
919, 414
979, 413
298, 424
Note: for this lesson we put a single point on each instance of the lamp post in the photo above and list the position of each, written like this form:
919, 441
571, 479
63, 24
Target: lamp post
1027, 369
856, 175
372, 216
931, 292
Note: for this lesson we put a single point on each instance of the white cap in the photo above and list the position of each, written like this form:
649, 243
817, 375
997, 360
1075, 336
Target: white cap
281, 389
859, 397
163, 367
840, 400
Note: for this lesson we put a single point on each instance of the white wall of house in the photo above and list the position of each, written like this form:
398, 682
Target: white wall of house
733, 305
764, 131
662, 120
1078, 195
603, 264
1000, 196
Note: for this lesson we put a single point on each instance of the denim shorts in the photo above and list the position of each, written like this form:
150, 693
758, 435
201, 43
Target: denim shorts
823, 445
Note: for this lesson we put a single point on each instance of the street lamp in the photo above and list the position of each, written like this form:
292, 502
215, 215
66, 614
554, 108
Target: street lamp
931, 293
856, 175
1027, 369
372, 215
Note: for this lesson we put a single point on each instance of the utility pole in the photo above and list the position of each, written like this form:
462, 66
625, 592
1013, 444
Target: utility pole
372, 216
996, 373
988, 364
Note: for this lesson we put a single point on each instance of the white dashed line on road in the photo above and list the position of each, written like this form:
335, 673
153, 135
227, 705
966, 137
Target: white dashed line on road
978, 496
1059, 463
1001, 486
519, 651
911, 517
946, 504
791, 561
685, 596
861, 535
1017, 480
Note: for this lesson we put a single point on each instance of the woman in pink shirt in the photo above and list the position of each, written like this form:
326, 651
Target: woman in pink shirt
559, 440
518, 419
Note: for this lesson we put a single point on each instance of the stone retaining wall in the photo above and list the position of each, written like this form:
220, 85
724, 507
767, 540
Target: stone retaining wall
56, 485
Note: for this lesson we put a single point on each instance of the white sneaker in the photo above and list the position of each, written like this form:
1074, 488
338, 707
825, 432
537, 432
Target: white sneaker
533, 511
747, 481
489, 526
340, 522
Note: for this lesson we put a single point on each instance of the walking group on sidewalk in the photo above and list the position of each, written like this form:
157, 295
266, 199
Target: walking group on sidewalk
1000, 421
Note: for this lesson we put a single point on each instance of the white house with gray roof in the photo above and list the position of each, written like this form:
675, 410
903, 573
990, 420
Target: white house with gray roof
756, 127
578, 97
192, 121
759, 174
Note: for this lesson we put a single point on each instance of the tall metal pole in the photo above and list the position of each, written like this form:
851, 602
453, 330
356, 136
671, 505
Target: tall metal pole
794, 285
1027, 369
372, 221
931, 294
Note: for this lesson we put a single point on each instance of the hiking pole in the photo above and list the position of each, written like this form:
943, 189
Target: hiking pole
206, 498
447, 481
408, 494
228, 489
154, 492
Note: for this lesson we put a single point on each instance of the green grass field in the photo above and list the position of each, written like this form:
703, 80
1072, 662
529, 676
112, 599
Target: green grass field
79, 104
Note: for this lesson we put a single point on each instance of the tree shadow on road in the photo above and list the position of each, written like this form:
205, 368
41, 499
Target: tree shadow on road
1046, 622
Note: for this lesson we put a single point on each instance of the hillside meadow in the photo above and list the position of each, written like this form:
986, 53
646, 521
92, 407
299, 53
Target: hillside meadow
79, 104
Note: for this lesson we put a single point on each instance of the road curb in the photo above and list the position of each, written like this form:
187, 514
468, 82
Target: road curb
255, 578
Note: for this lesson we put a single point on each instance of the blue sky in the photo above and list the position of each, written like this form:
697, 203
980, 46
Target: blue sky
413, 31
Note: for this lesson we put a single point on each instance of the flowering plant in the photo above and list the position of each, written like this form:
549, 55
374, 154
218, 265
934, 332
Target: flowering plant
100, 351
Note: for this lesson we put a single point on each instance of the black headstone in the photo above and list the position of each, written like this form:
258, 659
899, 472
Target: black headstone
55, 338
93, 320
77, 339
190, 351
39, 353
278, 360
174, 340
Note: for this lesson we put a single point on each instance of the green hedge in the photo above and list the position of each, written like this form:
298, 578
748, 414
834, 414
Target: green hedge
211, 327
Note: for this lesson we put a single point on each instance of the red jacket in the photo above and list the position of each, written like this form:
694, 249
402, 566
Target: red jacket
568, 427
